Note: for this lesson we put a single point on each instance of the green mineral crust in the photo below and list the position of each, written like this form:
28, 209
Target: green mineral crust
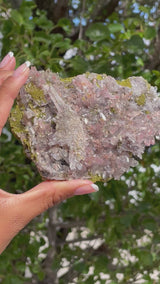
87, 126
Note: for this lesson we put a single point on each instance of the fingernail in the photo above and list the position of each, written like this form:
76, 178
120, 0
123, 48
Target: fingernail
6, 59
21, 69
89, 188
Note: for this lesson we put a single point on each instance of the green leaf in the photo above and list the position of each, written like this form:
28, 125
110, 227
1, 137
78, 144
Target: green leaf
101, 264
91, 224
135, 44
144, 9
42, 22
42, 37
150, 33
79, 64
63, 45
41, 275
114, 28
12, 279
80, 266
149, 223
27, 5
145, 257
17, 17
65, 24
97, 32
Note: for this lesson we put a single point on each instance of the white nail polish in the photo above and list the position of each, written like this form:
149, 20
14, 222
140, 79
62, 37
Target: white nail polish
95, 187
21, 69
10, 53
28, 63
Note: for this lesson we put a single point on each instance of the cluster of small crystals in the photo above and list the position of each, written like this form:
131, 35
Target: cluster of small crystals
88, 126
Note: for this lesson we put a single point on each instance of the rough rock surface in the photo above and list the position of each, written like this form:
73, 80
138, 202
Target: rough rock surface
88, 126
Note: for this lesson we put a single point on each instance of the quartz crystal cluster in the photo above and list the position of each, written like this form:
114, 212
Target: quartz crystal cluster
87, 126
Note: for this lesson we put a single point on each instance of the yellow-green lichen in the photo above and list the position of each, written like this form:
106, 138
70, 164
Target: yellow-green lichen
141, 100
66, 80
148, 85
97, 85
26, 143
87, 74
18, 128
125, 83
48, 82
37, 110
95, 178
15, 120
34, 156
36, 93
112, 109
99, 77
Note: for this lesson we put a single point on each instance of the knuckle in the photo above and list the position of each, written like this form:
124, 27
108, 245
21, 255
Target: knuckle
53, 199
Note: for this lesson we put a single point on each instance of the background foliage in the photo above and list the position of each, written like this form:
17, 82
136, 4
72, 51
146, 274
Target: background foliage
111, 236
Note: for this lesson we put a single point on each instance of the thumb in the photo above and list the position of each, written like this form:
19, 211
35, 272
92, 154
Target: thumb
47, 194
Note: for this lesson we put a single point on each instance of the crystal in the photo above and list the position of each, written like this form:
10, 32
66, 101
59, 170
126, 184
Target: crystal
90, 126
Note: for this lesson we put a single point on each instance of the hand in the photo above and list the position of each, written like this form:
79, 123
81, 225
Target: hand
16, 210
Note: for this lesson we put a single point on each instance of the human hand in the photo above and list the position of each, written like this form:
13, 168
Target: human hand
17, 210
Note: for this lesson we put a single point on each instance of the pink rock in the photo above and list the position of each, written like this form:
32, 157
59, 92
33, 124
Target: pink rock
88, 126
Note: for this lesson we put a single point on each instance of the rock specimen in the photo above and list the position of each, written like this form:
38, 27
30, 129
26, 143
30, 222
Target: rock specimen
88, 126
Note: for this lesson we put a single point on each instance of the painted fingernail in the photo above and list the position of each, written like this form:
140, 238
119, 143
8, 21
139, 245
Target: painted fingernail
6, 59
89, 188
21, 69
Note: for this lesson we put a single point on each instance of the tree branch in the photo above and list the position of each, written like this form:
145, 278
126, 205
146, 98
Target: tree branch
91, 238
71, 224
154, 60
15, 3
81, 17
55, 9
50, 274
104, 9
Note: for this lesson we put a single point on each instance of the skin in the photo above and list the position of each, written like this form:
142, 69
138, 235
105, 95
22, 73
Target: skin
17, 210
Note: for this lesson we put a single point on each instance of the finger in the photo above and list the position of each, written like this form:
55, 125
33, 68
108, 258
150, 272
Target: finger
8, 62
11, 65
9, 90
4, 74
47, 194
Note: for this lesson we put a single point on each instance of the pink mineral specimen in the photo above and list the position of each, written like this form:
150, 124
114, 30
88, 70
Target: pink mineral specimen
87, 126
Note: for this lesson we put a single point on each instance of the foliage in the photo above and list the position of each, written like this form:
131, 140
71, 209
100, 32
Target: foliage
120, 223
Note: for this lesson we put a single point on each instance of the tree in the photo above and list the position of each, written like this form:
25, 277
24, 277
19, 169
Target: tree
113, 234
